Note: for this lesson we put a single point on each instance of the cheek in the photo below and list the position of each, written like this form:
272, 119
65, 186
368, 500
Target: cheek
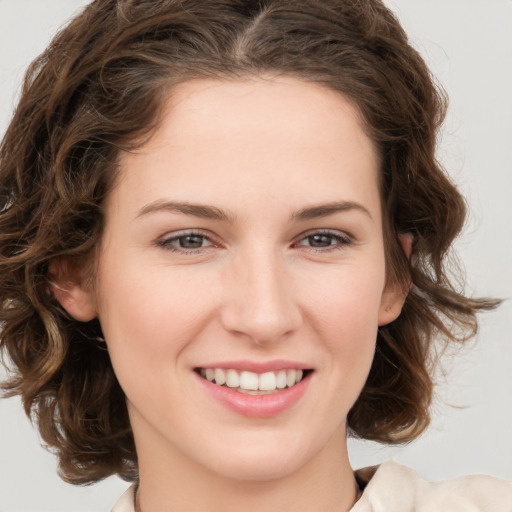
348, 299
148, 315
345, 314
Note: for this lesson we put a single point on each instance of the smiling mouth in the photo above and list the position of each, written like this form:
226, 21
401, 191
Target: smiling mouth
252, 383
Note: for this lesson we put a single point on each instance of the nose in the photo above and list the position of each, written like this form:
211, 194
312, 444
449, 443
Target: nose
261, 302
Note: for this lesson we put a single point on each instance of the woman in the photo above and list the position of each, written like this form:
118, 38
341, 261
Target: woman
225, 233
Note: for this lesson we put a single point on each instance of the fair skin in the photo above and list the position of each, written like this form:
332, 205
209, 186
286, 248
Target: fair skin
260, 280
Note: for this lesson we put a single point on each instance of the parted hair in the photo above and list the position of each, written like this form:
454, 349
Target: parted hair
99, 88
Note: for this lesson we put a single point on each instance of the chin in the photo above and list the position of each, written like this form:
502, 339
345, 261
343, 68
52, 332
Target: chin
263, 459
261, 469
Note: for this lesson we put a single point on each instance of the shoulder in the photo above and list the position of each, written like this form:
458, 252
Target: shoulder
392, 486
126, 503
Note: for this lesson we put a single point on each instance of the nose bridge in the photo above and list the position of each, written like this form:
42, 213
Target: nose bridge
262, 305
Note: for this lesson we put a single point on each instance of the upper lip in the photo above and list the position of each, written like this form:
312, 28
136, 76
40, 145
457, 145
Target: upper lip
258, 366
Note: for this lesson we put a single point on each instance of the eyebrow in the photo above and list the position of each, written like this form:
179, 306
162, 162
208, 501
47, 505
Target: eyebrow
326, 209
206, 211
203, 211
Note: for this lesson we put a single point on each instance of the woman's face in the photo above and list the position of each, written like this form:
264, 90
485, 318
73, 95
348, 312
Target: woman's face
244, 242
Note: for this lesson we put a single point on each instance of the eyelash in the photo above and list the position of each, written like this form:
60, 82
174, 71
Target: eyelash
165, 243
343, 240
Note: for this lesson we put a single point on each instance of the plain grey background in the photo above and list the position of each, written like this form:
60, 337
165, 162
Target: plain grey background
468, 45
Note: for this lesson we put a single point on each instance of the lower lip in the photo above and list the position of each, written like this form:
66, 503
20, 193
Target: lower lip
257, 406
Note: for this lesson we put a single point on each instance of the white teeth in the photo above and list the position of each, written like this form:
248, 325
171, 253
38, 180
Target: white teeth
232, 379
255, 392
249, 380
267, 381
252, 382
281, 380
220, 376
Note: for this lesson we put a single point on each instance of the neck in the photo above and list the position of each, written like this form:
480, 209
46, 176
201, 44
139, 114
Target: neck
169, 481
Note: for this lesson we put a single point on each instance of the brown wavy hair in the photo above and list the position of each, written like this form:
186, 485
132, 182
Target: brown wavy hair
98, 89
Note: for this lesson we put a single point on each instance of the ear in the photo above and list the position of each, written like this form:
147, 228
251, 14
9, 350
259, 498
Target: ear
72, 289
393, 297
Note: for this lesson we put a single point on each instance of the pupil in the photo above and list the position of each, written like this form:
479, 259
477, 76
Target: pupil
191, 242
320, 240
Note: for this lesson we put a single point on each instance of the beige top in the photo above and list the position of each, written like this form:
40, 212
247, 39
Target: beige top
392, 487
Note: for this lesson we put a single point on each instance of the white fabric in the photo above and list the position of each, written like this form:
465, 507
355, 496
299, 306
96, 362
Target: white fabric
126, 503
396, 488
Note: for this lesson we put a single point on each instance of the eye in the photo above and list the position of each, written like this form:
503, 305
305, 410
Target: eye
186, 242
324, 241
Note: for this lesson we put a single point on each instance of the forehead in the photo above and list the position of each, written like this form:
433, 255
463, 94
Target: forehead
285, 107
231, 137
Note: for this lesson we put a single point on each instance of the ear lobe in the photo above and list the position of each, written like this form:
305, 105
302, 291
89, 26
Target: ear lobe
406, 240
393, 297
71, 290
391, 305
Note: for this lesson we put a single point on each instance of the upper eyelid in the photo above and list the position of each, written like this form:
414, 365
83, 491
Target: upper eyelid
174, 235
326, 231
184, 232
207, 234
214, 241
